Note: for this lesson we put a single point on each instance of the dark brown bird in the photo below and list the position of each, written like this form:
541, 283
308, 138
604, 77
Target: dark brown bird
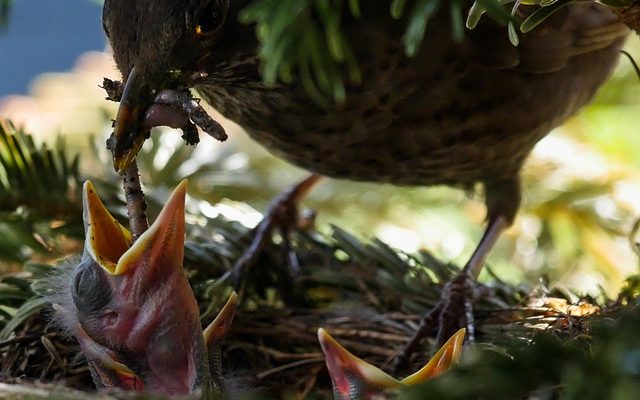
455, 114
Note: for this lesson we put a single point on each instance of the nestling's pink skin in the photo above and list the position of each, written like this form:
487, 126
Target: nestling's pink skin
356, 379
136, 304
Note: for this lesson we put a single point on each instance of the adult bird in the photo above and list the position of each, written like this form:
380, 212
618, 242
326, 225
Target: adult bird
455, 114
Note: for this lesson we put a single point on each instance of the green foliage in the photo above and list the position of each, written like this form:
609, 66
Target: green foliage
303, 39
38, 194
38, 200
4, 12
338, 269
544, 12
602, 363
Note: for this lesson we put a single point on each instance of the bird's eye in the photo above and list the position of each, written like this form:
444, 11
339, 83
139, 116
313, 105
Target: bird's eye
90, 290
210, 18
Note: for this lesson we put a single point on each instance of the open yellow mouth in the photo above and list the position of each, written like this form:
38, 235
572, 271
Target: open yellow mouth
341, 361
107, 240
110, 244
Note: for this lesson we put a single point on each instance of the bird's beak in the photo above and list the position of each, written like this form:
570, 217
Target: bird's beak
110, 244
153, 328
440, 363
353, 377
217, 330
106, 240
214, 335
350, 374
106, 368
129, 135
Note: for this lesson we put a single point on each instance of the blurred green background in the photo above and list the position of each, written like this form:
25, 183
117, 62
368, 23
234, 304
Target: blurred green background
581, 184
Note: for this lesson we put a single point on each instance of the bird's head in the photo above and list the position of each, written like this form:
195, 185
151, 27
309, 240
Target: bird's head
356, 379
131, 307
159, 37
159, 45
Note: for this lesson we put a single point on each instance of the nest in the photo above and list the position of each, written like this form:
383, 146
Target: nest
369, 296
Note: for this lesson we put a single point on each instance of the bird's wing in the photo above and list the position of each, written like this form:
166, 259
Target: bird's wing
574, 30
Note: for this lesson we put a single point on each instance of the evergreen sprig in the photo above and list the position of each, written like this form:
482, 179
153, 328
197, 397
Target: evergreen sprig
601, 363
39, 194
303, 39
4, 12
345, 283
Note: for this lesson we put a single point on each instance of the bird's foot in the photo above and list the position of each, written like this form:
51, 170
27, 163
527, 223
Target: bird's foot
282, 214
453, 312
455, 308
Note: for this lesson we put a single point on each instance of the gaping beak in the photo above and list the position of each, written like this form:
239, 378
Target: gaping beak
138, 320
441, 362
106, 240
354, 378
129, 135
214, 335
110, 244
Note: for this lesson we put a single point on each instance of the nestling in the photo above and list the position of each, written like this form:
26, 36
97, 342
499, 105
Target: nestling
132, 310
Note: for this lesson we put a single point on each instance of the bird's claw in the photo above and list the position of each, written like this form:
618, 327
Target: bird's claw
283, 214
454, 311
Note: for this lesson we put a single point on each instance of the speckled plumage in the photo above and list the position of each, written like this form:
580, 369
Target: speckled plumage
456, 114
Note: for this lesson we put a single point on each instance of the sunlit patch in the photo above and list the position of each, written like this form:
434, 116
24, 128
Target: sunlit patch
234, 211
557, 312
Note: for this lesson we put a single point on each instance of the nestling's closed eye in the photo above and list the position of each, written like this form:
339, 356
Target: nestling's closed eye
90, 291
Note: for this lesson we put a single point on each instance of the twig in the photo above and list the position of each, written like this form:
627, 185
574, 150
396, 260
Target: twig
136, 204
294, 364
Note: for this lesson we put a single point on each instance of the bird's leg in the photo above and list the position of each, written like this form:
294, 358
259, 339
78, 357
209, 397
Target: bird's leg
455, 308
282, 214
